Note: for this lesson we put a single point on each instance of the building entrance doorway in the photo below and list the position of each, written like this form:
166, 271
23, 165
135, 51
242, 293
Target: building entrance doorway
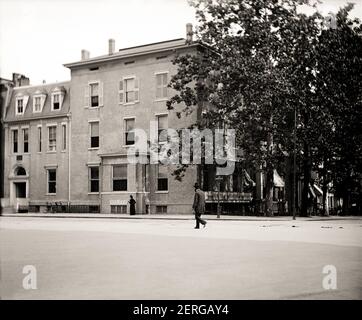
20, 189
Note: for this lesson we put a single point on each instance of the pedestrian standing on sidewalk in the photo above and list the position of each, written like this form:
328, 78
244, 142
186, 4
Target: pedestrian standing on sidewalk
132, 208
199, 206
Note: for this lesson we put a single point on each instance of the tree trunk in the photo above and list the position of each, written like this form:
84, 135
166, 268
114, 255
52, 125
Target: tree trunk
324, 198
241, 178
345, 198
269, 187
307, 170
324, 187
269, 183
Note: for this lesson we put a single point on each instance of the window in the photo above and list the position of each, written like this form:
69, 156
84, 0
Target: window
15, 141
58, 95
52, 138
129, 90
161, 209
25, 140
119, 177
20, 106
20, 171
52, 181
94, 209
118, 209
56, 101
129, 133
37, 104
21, 102
162, 126
162, 178
39, 139
94, 179
161, 86
64, 137
94, 134
94, 91
93, 96
39, 98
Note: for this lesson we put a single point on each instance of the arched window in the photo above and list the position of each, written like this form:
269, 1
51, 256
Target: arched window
20, 171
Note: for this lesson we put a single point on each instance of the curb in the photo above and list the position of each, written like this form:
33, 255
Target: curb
147, 217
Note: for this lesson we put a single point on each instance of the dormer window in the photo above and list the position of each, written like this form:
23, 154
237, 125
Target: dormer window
56, 103
57, 99
37, 105
38, 101
20, 104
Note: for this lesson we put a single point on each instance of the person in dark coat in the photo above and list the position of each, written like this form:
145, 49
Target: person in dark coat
199, 206
132, 207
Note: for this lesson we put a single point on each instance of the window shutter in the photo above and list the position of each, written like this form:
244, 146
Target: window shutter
158, 80
121, 92
42, 101
86, 96
61, 99
25, 102
100, 94
34, 102
136, 90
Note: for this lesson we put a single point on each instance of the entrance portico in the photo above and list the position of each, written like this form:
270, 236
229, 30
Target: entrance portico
19, 189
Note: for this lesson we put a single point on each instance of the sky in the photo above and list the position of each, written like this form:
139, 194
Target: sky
37, 36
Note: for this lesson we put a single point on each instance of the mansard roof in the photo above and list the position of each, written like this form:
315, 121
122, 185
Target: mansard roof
30, 92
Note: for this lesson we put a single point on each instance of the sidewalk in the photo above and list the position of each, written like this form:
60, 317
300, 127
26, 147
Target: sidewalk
175, 217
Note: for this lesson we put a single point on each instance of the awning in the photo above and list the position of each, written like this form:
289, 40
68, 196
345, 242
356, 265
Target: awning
318, 190
248, 180
311, 191
278, 180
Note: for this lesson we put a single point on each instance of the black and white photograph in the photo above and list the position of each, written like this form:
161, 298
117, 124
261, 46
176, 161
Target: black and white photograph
199, 151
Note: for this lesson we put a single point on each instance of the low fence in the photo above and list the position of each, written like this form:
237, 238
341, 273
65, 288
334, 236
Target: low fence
59, 207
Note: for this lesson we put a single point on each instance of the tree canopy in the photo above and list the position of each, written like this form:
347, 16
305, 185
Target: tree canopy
262, 61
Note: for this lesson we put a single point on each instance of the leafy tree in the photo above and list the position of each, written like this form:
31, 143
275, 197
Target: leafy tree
338, 95
259, 63
242, 77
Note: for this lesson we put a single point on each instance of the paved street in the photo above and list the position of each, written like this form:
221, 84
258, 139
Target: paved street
167, 259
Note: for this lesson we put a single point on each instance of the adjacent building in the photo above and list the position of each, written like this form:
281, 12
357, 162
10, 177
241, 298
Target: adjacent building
36, 154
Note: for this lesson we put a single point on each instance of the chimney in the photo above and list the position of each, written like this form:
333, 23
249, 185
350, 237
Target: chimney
111, 46
189, 33
20, 80
85, 54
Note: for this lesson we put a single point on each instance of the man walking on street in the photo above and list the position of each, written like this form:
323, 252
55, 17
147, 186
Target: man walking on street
199, 206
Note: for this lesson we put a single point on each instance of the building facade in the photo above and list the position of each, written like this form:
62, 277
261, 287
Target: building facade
36, 152
111, 95
70, 146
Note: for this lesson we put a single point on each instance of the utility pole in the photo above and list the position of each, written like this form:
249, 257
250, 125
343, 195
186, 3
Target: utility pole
218, 180
294, 162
